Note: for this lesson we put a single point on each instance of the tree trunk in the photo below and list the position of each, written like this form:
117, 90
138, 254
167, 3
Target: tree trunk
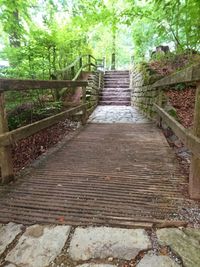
14, 36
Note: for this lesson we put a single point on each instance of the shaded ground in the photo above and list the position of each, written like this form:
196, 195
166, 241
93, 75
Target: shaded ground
27, 150
111, 174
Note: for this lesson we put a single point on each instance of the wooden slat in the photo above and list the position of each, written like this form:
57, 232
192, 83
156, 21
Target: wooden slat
23, 132
12, 84
190, 140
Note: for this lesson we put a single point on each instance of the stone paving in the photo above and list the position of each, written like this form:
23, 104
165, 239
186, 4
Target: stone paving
117, 114
65, 246
103, 242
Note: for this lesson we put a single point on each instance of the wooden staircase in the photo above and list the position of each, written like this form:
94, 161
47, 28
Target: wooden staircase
116, 89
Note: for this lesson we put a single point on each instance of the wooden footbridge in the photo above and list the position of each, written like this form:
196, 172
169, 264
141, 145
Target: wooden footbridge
106, 174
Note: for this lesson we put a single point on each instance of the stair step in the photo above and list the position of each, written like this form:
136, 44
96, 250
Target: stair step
116, 82
120, 86
115, 98
116, 77
119, 94
116, 89
116, 72
115, 103
119, 81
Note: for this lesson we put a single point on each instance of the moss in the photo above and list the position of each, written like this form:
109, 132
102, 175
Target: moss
149, 75
172, 112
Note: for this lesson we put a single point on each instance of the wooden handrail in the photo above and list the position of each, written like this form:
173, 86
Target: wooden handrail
153, 92
8, 138
189, 139
19, 85
187, 75
81, 66
12, 137
72, 64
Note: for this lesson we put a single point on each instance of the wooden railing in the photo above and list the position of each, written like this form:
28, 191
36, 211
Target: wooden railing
73, 71
8, 138
191, 139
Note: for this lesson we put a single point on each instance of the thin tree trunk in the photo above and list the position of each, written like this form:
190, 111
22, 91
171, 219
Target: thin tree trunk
14, 37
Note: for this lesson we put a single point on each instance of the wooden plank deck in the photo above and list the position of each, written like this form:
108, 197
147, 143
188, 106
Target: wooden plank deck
111, 174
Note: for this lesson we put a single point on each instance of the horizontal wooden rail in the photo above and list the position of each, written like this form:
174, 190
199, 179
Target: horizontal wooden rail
8, 138
190, 140
12, 84
76, 61
92, 57
79, 71
188, 75
145, 96
72, 64
13, 136
73, 71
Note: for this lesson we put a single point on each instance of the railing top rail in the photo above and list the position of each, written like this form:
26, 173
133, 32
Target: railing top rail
189, 139
92, 57
74, 63
19, 84
190, 74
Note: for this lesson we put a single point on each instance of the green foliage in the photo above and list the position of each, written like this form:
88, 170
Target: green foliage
172, 112
30, 112
157, 22
180, 86
40, 39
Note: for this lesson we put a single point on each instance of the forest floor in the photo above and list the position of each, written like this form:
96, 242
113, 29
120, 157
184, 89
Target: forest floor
27, 150
182, 96
183, 101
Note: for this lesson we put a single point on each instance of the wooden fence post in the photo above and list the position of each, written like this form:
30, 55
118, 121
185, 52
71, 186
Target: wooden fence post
72, 72
7, 173
84, 116
159, 102
113, 62
194, 180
